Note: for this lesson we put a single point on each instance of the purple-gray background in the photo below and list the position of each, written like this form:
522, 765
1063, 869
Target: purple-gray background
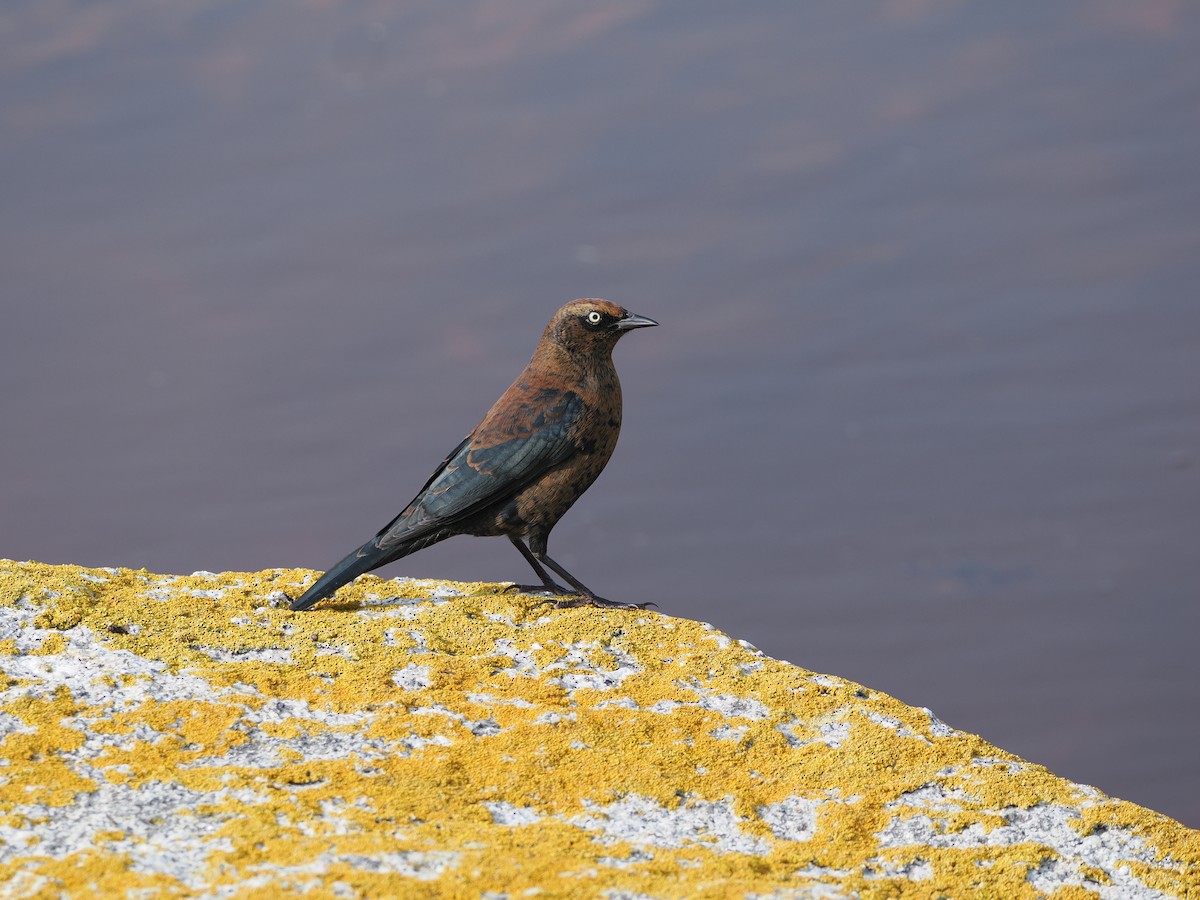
924, 409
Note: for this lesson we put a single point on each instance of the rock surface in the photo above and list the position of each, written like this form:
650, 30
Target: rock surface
165, 735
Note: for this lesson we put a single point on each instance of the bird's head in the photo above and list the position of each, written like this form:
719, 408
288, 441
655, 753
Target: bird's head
592, 325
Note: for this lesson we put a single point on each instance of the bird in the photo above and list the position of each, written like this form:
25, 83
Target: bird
535, 452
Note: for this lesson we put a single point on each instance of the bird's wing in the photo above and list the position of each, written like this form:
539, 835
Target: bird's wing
482, 470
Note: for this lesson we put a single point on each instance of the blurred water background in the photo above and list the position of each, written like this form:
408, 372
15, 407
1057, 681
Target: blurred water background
924, 409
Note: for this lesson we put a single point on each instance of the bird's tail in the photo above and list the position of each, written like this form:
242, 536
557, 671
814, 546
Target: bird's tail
364, 559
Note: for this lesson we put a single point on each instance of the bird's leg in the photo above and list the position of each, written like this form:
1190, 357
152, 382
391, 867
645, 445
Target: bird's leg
548, 583
586, 596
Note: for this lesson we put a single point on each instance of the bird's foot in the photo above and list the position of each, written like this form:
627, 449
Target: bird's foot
592, 600
572, 599
540, 590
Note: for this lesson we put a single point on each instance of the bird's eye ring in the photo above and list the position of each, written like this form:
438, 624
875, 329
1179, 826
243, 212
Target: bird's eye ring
594, 317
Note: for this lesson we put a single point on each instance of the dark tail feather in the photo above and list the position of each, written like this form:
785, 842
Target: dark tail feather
364, 559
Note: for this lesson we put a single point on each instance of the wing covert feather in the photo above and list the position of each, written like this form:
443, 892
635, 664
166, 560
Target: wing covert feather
477, 474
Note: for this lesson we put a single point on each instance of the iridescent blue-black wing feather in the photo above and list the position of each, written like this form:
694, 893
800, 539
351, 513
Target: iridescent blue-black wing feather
488, 467
482, 471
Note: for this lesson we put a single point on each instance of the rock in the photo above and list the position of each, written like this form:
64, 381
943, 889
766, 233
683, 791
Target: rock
190, 735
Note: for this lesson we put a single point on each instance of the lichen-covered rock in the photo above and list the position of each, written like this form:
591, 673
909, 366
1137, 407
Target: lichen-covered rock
168, 735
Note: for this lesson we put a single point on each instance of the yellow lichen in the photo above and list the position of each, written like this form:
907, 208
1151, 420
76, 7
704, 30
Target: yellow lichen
363, 749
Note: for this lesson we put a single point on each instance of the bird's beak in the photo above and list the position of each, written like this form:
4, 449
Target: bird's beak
631, 321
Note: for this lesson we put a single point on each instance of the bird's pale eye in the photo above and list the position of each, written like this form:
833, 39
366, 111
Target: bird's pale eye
594, 317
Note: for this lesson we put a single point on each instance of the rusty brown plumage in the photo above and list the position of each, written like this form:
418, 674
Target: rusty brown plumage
539, 447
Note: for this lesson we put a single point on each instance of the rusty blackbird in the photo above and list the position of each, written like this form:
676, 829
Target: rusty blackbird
536, 451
